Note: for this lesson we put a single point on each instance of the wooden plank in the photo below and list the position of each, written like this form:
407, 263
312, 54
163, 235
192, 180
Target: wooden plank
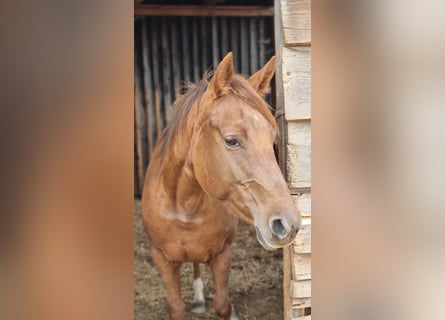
301, 289
148, 88
279, 94
302, 243
185, 44
176, 57
301, 266
298, 314
155, 46
224, 37
301, 303
235, 42
204, 45
296, 17
253, 35
203, 11
167, 74
298, 160
262, 40
196, 50
287, 251
287, 275
137, 191
303, 202
139, 114
296, 73
140, 134
215, 41
244, 46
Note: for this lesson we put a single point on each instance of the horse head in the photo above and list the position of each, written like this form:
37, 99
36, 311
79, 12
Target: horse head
233, 158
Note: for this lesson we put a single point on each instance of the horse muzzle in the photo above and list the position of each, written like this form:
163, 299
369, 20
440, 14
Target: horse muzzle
279, 232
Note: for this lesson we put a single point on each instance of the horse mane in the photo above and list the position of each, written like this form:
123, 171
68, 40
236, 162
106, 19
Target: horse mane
194, 93
182, 107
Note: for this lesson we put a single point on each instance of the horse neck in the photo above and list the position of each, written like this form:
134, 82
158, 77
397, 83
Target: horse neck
178, 177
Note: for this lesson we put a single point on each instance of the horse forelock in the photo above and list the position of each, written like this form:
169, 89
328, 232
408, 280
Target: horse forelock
245, 92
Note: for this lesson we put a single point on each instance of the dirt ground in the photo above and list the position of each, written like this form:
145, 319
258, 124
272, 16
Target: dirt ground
256, 279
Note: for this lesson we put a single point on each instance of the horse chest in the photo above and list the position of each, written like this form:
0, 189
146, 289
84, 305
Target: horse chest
194, 242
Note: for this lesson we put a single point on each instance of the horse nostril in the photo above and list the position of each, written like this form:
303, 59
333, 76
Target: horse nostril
279, 228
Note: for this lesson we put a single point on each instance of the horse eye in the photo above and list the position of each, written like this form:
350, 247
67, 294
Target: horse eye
232, 142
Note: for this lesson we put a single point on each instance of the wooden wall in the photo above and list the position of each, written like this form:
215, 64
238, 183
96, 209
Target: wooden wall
293, 50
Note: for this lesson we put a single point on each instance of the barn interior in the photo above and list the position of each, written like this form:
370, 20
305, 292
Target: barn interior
179, 41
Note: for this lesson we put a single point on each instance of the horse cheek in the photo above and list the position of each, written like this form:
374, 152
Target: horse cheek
207, 168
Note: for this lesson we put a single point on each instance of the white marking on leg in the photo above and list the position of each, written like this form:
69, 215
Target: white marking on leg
233, 316
198, 291
198, 303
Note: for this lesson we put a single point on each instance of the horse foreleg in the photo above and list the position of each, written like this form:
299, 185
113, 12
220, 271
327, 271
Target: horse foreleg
170, 274
220, 265
198, 303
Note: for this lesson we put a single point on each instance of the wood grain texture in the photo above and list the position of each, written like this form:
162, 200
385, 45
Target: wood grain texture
301, 267
296, 317
139, 123
287, 276
279, 92
296, 74
296, 17
300, 304
148, 89
302, 243
298, 160
303, 202
202, 11
301, 289
293, 39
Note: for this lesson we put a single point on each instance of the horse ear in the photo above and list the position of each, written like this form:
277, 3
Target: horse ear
220, 83
260, 80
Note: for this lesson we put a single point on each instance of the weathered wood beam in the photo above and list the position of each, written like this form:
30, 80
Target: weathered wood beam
296, 19
203, 11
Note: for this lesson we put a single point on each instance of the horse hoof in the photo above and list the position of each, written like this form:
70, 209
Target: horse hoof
198, 307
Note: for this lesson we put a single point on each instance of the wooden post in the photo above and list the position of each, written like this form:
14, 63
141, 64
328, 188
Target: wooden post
148, 88
293, 80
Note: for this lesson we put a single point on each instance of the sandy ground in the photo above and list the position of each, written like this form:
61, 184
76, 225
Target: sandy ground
255, 283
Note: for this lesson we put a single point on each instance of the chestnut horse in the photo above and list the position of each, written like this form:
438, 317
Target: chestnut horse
214, 164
